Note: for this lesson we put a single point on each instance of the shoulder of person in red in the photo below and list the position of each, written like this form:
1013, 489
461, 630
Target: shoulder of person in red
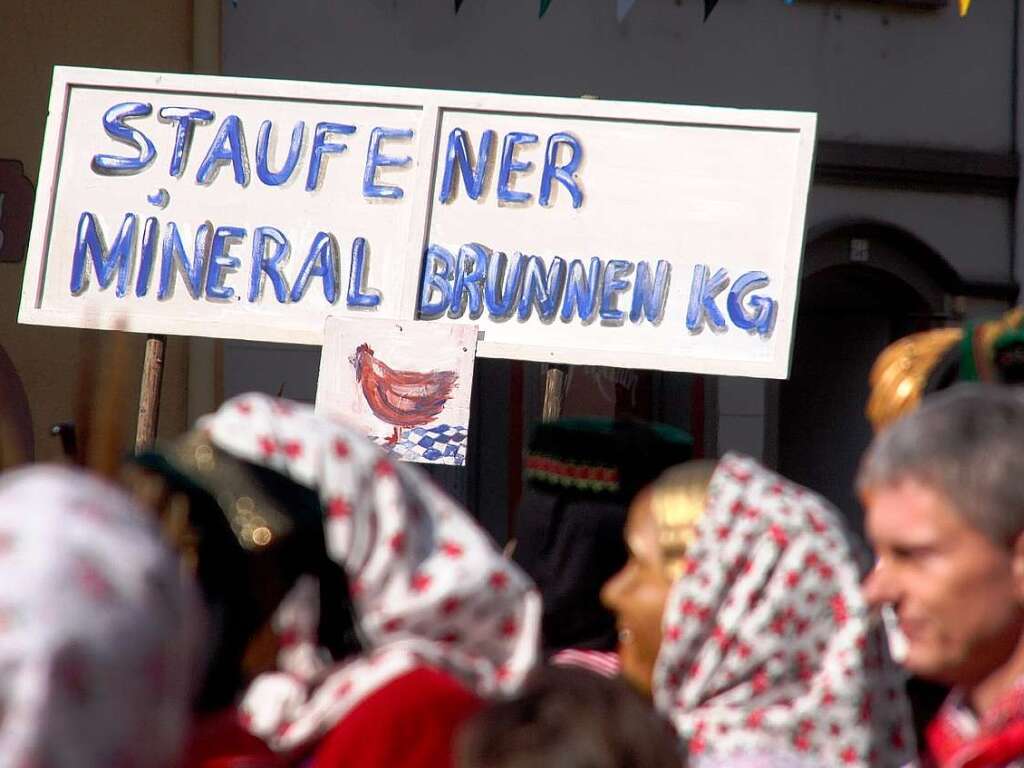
409, 723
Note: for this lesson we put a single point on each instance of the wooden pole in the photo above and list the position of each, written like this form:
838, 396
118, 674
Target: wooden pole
554, 392
149, 396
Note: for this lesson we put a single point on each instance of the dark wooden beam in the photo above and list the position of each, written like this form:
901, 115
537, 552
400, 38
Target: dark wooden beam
904, 167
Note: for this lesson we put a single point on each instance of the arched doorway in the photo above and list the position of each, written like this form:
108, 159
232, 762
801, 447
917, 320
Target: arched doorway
863, 286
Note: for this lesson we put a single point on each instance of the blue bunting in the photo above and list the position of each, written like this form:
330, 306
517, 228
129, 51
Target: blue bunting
623, 8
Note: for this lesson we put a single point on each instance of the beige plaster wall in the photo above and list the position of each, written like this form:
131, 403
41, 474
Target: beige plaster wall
34, 36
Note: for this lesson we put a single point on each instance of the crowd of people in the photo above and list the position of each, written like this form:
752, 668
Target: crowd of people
270, 590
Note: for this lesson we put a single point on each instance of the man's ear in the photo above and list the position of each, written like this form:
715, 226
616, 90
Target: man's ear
1018, 567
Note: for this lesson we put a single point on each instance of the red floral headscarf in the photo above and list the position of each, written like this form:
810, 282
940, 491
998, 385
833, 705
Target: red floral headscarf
429, 586
768, 644
100, 628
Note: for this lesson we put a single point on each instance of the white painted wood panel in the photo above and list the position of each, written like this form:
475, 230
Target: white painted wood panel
690, 186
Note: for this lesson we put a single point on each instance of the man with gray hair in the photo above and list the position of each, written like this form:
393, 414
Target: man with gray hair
943, 489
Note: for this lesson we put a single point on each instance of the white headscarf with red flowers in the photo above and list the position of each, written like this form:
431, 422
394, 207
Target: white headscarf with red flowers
428, 584
99, 627
768, 643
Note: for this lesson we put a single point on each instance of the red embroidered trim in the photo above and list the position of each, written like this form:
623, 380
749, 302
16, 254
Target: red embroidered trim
566, 473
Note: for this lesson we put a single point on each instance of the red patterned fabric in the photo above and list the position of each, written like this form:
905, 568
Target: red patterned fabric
409, 723
429, 586
768, 644
956, 739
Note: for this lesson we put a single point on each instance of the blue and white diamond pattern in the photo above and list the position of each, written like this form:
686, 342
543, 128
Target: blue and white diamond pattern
437, 444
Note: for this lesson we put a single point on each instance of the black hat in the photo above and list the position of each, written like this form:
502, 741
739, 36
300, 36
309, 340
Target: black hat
582, 475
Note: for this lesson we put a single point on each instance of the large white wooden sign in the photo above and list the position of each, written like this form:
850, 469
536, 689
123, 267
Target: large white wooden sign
581, 231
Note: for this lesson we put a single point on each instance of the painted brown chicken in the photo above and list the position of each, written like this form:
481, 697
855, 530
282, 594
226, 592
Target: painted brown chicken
404, 399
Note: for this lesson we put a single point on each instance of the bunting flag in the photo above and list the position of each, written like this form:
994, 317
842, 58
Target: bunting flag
964, 7
623, 7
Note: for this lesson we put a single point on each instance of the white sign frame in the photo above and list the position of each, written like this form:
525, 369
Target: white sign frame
428, 144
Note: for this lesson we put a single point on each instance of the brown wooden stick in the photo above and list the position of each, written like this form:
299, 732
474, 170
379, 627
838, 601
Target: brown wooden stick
149, 395
554, 392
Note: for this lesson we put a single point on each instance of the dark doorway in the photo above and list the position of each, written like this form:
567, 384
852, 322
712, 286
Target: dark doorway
847, 314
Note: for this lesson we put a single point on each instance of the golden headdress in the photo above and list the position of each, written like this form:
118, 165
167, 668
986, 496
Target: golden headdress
900, 373
905, 370
677, 501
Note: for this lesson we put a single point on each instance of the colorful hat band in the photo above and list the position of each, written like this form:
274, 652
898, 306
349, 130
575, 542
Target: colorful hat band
548, 469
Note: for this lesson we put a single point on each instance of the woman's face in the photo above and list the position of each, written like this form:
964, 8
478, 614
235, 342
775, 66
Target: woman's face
637, 595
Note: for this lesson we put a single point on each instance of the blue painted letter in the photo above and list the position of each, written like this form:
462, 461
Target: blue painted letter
510, 165
762, 319
321, 147
702, 299
150, 234
472, 178
269, 265
267, 176
221, 260
581, 290
542, 286
228, 147
358, 294
438, 266
321, 262
649, 298
564, 173
502, 294
174, 252
470, 272
186, 118
89, 244
375, 159
113, 123
615, 272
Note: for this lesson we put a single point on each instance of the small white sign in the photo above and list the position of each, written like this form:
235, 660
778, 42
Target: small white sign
408, 385
580, 231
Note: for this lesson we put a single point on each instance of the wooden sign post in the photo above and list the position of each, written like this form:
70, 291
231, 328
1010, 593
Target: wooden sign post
554, 392
149, 394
